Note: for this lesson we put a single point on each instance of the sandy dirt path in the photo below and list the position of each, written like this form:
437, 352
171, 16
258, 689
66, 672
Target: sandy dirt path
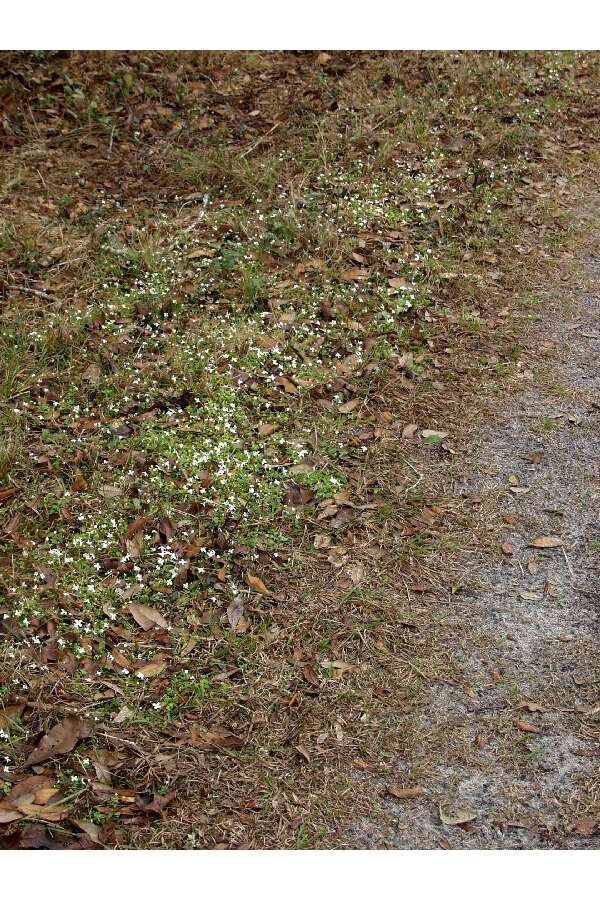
507, 754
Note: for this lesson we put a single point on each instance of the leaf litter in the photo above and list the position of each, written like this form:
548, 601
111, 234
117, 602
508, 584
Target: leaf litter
194, 458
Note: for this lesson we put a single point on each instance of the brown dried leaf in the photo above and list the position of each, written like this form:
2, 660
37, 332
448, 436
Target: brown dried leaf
354, 274
9, 815
136, 526
235, 611
455, 815
546, 542
46, 813
532, 707
584, 827
92, 830
310, 675
216, 738
151, 669
288, 386
7, 493
61, 739
405, 793
266, 429
409, 431
527, 727
146, 616
79, 483
256, 584
9, 713
154, 803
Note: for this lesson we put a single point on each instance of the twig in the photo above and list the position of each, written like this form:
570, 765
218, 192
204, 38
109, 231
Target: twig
195, 223
417, 482
572, 573
110, 143
28, 290
416, 668
119, 740
260, 140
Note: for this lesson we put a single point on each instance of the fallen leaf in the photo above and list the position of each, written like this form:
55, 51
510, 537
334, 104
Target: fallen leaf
546, 542
311, 676
530, 595
216, 738
405, 793
9, 815
7, 493
35, 837
267, 429
46, 813
59, 740
11, 712
409, 431
532, 707
433, 437
90, 828
110, 491
356, 573
455, 815
151, 669
146, 616
154, 803
79, 483
235, 611
584, 827
354, 274
527, 727
123, 715
288, 386
349, 406
136, 526
256, 584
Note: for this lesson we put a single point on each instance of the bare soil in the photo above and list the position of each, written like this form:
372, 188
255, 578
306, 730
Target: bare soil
513, 740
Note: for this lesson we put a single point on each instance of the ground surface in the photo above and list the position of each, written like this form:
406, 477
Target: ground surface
276, 334
511, 746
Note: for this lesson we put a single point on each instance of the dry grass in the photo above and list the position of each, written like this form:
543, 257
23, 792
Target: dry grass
176, 243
